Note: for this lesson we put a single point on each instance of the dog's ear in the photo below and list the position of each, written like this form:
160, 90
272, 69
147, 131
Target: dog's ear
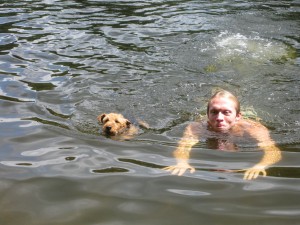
128, 123
101, 117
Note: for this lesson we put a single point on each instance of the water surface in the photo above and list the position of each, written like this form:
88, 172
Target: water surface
62, 63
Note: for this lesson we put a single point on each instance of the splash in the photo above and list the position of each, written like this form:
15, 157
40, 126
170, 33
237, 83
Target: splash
229, 52
238, 47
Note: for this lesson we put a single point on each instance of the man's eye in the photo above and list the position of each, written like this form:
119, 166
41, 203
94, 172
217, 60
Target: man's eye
226, 112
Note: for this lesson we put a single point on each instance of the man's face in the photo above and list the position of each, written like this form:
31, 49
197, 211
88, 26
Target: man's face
222, 114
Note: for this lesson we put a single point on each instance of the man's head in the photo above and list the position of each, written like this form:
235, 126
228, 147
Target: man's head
223, 111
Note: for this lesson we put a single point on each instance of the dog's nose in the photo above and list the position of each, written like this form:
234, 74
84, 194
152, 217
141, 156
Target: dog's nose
108, 128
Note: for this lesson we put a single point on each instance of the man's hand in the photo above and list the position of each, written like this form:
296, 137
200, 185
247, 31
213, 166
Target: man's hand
253, 172
180, 168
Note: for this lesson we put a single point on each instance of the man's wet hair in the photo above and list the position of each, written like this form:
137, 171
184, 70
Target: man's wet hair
228, 95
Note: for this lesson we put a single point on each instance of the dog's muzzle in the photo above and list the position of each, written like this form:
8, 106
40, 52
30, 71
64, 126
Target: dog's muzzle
108, 130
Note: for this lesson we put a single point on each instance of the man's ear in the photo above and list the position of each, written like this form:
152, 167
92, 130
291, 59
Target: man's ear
238, 116
101, 117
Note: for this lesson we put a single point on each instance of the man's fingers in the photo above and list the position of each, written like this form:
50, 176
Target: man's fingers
168, 168
249, 175
178, 170
175, 171
253, 174
192, 169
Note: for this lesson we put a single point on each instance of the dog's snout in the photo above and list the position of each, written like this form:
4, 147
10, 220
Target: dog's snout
115, 124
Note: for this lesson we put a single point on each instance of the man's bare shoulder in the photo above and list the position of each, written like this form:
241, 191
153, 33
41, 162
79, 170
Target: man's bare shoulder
195, 128
197, 125
249, 123
248, 126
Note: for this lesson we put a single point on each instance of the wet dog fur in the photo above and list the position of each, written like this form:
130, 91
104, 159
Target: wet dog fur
115, 124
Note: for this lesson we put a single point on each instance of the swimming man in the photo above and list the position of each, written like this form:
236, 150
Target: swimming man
226, 126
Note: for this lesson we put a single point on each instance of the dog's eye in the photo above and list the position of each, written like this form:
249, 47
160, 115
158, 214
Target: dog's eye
117, 121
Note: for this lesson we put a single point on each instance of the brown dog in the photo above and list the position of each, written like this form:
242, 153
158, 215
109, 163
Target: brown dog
115, 124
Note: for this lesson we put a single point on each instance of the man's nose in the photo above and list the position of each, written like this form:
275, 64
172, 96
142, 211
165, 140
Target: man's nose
220, 116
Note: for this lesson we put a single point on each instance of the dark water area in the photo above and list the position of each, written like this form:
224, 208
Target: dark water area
62, 63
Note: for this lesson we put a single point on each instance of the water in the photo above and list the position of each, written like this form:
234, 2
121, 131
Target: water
64, 62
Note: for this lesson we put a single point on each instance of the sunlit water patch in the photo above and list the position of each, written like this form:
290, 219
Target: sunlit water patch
220, 53
248, 49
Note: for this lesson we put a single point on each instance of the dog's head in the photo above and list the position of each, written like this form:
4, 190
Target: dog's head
113, 123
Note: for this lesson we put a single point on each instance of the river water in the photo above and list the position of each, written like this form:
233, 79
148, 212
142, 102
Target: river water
62, 63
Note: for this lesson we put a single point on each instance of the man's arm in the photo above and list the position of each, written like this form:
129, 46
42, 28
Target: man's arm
182, 152
272, 153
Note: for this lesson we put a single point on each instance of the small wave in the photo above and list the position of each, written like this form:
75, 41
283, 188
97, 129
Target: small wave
111, 170
35, 164
6, 39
